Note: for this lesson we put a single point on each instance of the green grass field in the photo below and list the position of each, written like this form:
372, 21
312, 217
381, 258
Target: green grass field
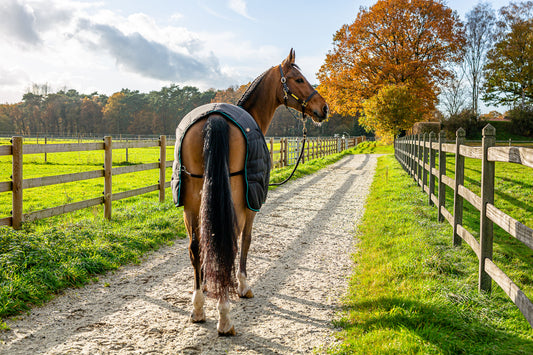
412, 292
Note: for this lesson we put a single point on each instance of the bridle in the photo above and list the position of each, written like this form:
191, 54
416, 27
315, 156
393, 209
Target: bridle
287, 91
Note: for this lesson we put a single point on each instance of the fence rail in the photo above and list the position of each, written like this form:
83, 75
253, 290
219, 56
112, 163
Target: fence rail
289, 148
419, 154
287, 154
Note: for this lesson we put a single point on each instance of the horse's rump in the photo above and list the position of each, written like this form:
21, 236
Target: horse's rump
257, 162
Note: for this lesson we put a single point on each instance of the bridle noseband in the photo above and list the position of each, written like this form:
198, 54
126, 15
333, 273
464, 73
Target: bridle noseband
288, 92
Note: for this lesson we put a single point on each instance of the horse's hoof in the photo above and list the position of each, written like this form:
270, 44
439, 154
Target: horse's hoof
228, 333
247, 294
198, 317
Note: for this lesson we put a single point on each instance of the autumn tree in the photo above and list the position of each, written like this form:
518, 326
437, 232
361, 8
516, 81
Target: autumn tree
393, 109
114, 113
231, 95
142, 122
479, 29
7, 124
509, 67
91, 115
399, 42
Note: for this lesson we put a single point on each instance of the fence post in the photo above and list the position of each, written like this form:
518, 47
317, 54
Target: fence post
442, 172
281, 151
162, 166
16, 178
459, 180
286, 152
418, 160
487, 196
424, 162
45, 155
272, 151
431, 167
409, 150
108, 163
413, 156
303, 151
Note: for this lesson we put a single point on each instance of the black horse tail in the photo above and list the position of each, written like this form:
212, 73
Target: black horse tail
218, 221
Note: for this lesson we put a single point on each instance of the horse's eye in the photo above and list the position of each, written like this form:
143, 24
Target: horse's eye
299, 80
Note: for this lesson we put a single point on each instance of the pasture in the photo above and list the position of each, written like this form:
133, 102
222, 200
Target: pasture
413, 292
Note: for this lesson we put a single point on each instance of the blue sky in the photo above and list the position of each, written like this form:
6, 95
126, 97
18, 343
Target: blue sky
107, 45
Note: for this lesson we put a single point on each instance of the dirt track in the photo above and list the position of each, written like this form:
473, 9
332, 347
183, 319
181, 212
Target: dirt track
298, 267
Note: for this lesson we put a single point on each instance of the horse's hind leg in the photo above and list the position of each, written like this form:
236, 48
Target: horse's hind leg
225, 326
198, 299
243, 289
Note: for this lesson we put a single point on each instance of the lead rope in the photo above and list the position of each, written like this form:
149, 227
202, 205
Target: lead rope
288, 92
304, 131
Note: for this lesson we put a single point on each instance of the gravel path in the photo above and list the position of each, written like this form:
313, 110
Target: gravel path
298, 266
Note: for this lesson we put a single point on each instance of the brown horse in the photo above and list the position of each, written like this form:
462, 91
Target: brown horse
213, 189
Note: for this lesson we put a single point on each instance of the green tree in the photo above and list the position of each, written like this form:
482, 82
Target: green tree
393, 109
509, 68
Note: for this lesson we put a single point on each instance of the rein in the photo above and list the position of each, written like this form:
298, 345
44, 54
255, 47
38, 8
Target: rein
288, 92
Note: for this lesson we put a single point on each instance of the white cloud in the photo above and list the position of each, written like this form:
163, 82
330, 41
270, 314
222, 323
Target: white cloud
176, 16
18, 23
239, 6
89, 47
12, 76
147, 57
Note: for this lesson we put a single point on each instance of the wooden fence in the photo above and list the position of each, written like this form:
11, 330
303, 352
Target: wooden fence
318, 147
419, 154
289, 148
18, 183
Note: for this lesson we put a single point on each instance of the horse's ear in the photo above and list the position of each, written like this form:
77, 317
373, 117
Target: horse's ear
290, 58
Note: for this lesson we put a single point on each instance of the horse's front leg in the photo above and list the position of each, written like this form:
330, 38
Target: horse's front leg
243, 289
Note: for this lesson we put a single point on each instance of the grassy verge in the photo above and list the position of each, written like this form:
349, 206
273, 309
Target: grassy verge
373, 148
412, 292
70, 250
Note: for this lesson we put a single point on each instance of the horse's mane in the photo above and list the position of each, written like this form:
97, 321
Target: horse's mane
249, 91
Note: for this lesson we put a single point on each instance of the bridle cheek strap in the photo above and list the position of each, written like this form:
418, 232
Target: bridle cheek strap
288, 92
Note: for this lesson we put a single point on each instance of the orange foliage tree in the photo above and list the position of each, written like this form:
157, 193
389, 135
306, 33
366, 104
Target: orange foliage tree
115, 113
395, 42
231, 95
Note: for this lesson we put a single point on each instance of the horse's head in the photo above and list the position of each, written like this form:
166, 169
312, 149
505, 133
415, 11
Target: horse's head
298, 93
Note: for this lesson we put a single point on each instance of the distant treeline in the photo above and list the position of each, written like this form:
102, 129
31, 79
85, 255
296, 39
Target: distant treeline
69, 113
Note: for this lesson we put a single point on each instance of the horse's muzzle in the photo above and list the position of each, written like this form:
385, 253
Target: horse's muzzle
321, 116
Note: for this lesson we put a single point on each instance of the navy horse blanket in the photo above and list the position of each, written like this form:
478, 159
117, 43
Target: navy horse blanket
257, 164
